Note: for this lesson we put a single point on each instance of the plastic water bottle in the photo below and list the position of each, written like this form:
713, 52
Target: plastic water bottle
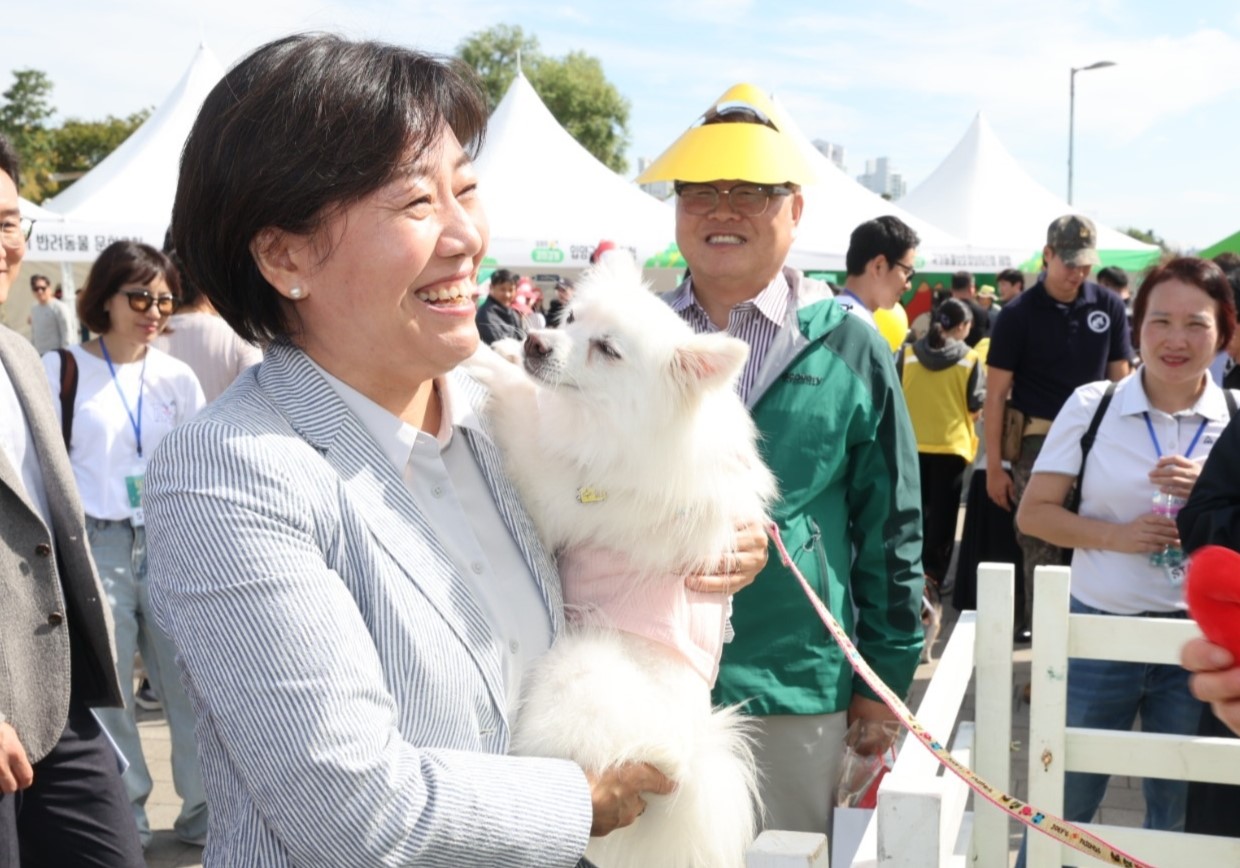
1171, 558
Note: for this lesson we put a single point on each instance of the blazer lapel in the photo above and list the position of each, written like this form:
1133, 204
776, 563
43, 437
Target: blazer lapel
379, 495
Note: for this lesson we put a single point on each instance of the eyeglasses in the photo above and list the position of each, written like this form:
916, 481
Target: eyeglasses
41, 287
909, 271
749, 200
140, 300
14, 230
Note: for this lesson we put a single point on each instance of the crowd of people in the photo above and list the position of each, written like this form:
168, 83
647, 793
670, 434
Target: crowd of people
336, 593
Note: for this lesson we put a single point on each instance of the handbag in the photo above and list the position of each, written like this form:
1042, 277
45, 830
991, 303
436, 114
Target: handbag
68, 393
1013, 433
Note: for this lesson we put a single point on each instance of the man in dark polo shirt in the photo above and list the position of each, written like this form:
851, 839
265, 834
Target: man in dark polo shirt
1063, 332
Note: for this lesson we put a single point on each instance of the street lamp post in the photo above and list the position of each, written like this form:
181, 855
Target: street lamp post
1072, 111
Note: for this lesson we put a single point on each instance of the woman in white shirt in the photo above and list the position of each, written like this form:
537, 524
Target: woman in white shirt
128, 396
1153, 437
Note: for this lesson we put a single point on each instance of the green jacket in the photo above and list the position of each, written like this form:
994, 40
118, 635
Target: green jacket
835, 430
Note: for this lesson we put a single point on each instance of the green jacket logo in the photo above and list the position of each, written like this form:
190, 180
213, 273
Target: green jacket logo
801, 379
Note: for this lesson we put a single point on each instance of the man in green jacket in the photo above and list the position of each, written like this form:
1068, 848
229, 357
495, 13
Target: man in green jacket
824, 392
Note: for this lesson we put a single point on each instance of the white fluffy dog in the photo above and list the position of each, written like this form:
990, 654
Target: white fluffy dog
645, 463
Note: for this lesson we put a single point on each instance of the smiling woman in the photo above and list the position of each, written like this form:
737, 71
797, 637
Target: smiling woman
354, 589
1154, 429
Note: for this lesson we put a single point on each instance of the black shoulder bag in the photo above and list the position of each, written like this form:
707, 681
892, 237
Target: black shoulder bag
68, 393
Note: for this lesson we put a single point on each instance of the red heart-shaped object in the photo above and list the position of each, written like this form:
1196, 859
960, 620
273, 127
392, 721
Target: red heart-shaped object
1213, 592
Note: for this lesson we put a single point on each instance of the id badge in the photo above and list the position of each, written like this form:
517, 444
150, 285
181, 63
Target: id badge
133, 487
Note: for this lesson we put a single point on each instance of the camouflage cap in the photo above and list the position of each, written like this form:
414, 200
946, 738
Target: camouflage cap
1074, 240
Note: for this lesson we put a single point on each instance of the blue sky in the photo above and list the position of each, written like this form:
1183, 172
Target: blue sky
1156, 135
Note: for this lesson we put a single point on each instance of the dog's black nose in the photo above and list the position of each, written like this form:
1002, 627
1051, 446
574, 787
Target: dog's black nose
535, 348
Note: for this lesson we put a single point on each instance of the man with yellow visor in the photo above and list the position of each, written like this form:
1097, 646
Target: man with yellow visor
823, 390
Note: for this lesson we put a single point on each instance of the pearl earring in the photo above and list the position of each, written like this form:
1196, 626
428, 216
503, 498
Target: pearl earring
296, 292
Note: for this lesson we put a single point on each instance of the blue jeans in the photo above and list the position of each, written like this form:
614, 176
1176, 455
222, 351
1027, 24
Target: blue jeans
120, 555
1106, 694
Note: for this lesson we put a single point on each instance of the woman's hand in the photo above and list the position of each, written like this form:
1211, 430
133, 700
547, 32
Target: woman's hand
740, 568
1175, 474
1217, 679
1144, 534
616, 794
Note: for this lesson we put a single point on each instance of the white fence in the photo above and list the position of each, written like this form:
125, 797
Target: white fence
921, 820
1055, 749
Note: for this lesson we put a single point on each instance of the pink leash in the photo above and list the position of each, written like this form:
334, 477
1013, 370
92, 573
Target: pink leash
1048, 824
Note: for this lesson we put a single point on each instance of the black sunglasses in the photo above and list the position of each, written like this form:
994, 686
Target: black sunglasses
140, 300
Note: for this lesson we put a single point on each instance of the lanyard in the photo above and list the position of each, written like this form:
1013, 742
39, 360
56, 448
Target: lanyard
1154, 437
136, 424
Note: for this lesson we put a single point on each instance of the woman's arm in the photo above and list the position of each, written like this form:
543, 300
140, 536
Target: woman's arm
1043, 515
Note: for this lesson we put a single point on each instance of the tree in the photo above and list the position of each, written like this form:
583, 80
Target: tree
1148, 237
78, 146
26, 108
574, 88
74, 147
493, 55
586, 104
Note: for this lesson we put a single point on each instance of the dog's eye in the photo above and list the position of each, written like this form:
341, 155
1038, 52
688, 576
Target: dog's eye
605, 347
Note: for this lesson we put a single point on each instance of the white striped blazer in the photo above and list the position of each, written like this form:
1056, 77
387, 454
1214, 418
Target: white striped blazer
347, 688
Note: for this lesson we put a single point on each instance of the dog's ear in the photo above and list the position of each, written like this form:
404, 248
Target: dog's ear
707, 361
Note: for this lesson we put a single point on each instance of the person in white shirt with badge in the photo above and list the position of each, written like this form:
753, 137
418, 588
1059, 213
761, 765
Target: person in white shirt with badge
117, 397
1150, 434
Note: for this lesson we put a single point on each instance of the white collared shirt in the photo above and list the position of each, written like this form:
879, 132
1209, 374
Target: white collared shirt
17, 444
854, 306
444, 478
1117, 486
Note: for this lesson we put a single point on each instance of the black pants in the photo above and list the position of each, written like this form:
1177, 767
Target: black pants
942, 477
1213, 808
76, 812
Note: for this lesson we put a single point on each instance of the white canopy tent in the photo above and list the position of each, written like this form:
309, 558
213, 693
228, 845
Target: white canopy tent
129, 194
983, 195
549, 201
836, 204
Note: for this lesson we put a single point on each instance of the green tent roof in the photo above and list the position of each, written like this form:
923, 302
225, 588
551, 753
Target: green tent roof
1230, 244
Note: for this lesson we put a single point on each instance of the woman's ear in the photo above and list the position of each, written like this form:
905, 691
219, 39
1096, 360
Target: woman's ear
280, 258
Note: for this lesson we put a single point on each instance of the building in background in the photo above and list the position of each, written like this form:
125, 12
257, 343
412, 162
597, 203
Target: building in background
832, 151
879, 178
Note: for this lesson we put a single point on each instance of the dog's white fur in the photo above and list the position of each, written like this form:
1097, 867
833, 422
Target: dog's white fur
626, 404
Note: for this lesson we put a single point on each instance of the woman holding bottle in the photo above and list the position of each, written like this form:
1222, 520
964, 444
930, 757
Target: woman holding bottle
1153, 434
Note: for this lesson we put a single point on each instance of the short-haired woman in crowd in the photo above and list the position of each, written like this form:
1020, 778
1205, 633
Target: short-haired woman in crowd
944, 385
1152, 439
353, 587
128, 397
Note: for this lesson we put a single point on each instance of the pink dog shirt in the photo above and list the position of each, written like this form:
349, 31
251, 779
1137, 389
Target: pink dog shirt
599, 583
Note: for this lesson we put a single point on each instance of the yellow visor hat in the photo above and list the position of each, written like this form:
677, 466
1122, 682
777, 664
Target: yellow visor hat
742, 137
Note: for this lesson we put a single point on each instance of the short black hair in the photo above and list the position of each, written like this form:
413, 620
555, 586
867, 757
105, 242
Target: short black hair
1011, 275
886, 236
503, 275
10, 163
1227, 260
1112, 276
42, 277
961, 280
303, 126
121, 263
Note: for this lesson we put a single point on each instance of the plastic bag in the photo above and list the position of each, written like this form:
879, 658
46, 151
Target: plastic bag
869, 753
